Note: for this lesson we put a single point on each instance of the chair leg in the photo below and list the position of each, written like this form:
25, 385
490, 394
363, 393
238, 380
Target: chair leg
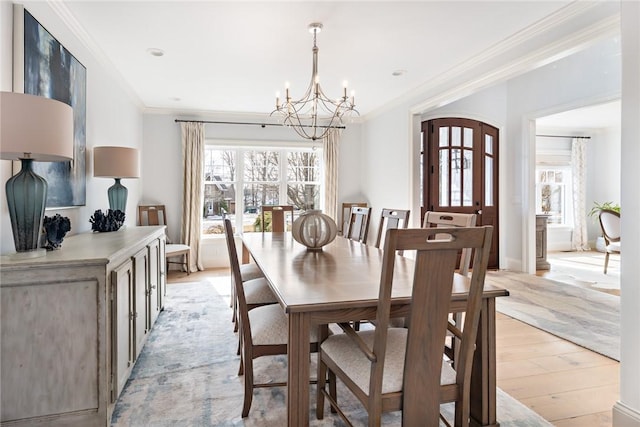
188, 259
332, 390
248, 387
606, 261
322, 380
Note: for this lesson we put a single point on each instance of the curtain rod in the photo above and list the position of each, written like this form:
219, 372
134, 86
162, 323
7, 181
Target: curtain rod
564, 136
251, 123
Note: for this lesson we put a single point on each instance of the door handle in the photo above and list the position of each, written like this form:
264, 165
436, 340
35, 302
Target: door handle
478, 212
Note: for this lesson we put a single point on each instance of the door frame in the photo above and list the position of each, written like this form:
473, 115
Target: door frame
415, 119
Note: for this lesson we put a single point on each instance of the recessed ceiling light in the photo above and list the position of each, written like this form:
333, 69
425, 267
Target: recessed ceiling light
175, 98
154, 51
397, 73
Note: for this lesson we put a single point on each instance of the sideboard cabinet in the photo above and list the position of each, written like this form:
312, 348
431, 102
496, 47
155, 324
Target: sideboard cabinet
73, 323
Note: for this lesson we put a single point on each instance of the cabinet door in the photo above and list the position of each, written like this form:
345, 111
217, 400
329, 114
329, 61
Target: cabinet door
141, 290
154, 283
122, 283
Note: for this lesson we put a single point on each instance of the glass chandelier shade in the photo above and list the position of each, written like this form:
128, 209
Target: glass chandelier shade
117, 163
315, 114
32, 128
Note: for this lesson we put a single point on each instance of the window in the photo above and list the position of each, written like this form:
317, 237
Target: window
264, 175
553, 190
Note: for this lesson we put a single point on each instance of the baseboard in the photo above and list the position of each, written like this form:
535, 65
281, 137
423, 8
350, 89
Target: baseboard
623, 416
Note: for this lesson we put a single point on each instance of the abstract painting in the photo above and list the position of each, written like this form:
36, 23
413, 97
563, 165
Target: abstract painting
50, 70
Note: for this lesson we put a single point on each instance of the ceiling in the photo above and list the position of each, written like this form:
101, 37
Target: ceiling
233, 56
605, 115
224, 56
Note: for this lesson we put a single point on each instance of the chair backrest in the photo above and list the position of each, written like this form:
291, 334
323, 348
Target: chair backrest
346, 214
152, 215
610, 224
358, 226
278, 213
389, 219
435, 264
452, 219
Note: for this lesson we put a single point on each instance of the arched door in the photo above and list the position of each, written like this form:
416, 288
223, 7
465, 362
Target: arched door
460, 171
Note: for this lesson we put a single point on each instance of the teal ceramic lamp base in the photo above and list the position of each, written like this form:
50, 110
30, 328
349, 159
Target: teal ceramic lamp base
118, 196
26, 198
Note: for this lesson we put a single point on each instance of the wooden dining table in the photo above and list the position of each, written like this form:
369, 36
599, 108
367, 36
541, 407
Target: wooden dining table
339, 284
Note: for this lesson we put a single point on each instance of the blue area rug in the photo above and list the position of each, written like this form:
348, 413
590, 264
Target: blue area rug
186, 374
583, 316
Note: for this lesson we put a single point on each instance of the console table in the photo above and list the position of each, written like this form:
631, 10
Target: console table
73, 323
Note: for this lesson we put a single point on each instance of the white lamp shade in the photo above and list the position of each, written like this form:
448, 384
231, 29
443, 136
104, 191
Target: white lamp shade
35, 127
116, 162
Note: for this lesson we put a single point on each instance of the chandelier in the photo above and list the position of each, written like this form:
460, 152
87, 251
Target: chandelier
315, 114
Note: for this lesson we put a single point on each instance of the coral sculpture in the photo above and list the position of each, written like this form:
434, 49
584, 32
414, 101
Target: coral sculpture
112, 221
54, 229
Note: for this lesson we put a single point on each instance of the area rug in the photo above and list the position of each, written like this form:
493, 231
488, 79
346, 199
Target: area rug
186, 374
585, 317
585, 267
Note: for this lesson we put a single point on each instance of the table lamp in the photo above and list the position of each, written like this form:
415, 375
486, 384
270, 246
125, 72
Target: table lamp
117, 163
32, 128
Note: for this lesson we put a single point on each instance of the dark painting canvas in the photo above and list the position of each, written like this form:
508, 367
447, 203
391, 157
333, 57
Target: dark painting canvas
51, 71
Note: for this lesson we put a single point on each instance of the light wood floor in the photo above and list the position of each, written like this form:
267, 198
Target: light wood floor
566, 384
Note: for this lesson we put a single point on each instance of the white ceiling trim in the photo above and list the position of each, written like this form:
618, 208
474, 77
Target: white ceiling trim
543, 56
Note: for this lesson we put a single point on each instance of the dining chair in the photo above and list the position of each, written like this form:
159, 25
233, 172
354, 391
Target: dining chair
256, 287
157, 215
389, 219
610, 225
390, 369
345, 214
358, 225
275, 220
264, 331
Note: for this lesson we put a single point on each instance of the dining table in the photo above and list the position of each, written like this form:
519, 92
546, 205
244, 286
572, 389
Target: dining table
340, 283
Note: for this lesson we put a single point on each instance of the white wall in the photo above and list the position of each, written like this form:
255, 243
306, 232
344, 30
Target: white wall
113, 118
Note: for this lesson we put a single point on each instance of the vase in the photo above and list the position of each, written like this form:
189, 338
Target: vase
314, 230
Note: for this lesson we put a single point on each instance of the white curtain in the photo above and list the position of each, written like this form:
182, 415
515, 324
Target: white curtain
193, 160
578, 173
330, 153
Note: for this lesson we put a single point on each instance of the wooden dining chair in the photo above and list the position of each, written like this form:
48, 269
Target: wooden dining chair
157, 215
390, 219
264, 330
275, 220
390, 369
256, 287
345, 214
610, 225
358, 225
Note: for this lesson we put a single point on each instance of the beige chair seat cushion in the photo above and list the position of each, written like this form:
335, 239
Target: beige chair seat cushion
174, 248
250, 272
348, 356
257, 291
269, 326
